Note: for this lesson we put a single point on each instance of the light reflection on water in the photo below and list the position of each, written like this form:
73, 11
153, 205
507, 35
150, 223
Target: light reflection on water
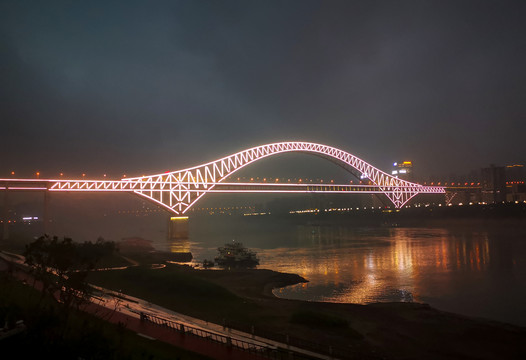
472, 271
380, 267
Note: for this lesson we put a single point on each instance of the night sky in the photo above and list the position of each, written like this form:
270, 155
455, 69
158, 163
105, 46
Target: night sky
141, 87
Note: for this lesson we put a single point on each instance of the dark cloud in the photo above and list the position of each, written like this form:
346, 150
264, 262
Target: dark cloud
150, 86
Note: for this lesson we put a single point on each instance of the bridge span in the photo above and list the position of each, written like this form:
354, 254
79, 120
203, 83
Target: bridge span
179, 190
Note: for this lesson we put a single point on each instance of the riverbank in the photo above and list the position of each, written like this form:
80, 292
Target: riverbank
33, 324
243, 299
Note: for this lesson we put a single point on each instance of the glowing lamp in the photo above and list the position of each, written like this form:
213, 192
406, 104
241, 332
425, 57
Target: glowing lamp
175, 218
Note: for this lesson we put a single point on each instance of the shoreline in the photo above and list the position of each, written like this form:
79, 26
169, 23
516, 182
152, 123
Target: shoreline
394, 329
374, 331
269, 288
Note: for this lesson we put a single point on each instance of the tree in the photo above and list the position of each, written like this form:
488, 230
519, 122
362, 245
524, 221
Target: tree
62, 266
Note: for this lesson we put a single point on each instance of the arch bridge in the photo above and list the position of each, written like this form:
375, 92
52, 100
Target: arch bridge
179, 190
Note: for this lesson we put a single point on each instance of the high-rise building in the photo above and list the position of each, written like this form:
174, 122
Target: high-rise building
515, 183
493, 183
515, 174
403, 170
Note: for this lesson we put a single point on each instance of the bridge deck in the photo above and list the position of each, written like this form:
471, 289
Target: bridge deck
131, 186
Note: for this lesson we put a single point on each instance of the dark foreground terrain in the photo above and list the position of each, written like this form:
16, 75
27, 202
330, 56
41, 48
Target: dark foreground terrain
243, 299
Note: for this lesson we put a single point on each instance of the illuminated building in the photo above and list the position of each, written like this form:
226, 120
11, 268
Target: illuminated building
515, 174
493, 182
403, 170
515, 183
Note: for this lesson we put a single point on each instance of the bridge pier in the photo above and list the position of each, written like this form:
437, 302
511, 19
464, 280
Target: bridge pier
45, 217
177, 228
5, 215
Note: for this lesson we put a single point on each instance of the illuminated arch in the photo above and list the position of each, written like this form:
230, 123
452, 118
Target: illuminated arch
179, 190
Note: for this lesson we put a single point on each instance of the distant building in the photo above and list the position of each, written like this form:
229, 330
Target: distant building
515, 183
516, 192
515, 174
493, 183
403, 170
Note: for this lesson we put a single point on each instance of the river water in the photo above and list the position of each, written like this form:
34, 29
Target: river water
474, 269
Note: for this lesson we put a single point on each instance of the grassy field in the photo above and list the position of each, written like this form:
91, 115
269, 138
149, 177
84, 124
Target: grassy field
176, 288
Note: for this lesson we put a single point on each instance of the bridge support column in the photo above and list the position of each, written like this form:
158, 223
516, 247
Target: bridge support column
449, 197
45, 217
177, 227
5, 215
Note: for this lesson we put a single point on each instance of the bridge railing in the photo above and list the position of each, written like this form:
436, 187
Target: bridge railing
261, 350
337, 352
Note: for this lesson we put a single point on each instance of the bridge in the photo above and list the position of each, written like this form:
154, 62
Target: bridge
179, 190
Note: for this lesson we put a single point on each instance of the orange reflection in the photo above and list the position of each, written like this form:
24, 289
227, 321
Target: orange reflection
372, 268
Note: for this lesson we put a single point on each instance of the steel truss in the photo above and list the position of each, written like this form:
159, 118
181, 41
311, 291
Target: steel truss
179, 190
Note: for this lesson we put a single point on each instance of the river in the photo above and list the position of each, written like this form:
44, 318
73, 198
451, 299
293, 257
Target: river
470, 267
473, 269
